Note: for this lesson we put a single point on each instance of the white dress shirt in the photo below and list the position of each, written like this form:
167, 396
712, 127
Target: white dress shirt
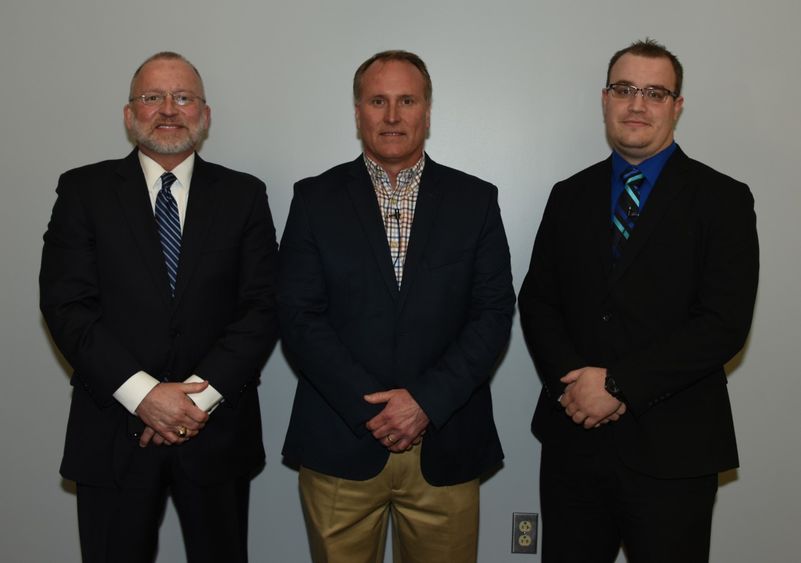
136, 387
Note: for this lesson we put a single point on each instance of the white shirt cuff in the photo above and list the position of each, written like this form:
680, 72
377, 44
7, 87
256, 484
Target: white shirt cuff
131, 393
208, 399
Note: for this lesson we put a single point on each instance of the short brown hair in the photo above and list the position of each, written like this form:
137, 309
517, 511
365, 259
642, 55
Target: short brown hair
394, 55
166, 55
651, 49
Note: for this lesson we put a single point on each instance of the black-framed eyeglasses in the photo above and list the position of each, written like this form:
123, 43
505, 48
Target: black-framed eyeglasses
180, 99
655, 94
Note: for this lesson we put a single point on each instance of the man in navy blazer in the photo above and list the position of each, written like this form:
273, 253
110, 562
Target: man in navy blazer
641, 287
157, 344
395, 301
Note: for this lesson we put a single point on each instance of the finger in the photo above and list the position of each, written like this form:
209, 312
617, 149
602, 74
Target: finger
590, 422
198, 418
146, 437
171, 437
158, 439
380, 428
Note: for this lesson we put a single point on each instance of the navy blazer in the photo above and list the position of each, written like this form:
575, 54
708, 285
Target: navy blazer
351, 331
664, 320
106, 301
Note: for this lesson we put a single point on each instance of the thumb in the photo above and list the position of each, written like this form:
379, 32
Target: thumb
570, 377
189, 388
379, 397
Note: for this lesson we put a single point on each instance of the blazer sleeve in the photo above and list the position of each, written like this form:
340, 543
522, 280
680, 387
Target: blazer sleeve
469, 360
306, 329
70, 297
234, 361
720, 314
542, 314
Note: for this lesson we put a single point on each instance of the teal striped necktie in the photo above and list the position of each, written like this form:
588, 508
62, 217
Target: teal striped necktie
627, 210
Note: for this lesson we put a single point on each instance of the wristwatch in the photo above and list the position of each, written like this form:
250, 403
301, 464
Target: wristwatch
611, 387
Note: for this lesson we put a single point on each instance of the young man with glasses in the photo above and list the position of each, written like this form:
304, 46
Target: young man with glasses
157, 284
641, 287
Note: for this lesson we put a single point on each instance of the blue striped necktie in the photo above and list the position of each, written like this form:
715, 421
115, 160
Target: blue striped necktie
627, 210
169, 228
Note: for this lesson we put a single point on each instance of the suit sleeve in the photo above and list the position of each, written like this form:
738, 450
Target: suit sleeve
307, 331
720, 315
234, 361
70, 298
541, 309
469, 360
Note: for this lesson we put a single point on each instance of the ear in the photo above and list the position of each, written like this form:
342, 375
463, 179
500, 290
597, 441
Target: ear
604, 101
127, 115
356, 116
678, 107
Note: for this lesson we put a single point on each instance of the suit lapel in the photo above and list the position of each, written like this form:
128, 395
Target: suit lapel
598, 219
200, 211
362, 194
671, 183
428, 198
137, 210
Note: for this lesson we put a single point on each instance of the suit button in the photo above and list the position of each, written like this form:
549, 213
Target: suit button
606, 317
175, 333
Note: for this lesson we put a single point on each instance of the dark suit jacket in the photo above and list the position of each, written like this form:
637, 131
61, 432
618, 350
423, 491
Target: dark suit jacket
663, 320
352, 332
105, 297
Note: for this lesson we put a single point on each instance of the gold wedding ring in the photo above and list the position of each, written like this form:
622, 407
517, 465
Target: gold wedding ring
181, 432
390, 439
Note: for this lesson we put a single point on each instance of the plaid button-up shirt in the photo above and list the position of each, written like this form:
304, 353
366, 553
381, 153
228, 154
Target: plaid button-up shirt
397, 207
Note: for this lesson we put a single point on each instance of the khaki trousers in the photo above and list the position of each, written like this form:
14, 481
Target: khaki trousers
347, 520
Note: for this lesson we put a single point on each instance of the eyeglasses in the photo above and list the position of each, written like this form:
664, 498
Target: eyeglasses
181, 99
653, 94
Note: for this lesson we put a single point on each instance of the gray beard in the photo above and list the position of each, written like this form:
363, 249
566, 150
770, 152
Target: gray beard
193, 138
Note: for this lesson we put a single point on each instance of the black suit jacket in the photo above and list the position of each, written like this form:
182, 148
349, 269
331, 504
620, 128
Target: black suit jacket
663, 320
105, 297
351, 331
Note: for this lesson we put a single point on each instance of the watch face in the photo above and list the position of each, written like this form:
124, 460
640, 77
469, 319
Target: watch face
611, 387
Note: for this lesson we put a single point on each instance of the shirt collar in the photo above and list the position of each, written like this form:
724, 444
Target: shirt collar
650, 167
153, 171
406, 176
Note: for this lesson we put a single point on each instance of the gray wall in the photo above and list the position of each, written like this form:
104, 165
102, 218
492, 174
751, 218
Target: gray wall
516, 101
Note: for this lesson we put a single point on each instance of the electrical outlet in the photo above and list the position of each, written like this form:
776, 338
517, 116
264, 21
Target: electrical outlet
524, 532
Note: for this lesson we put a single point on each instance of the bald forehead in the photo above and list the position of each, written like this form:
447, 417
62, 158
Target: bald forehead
171, 69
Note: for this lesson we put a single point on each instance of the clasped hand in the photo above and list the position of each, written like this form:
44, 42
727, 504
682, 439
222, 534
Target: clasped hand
166, 408
586, 400
402, 422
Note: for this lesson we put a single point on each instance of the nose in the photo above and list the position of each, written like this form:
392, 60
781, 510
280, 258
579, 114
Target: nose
392, 114
168, 106
637, 101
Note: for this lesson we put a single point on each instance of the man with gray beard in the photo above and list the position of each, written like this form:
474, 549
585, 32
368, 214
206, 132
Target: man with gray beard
163, 304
